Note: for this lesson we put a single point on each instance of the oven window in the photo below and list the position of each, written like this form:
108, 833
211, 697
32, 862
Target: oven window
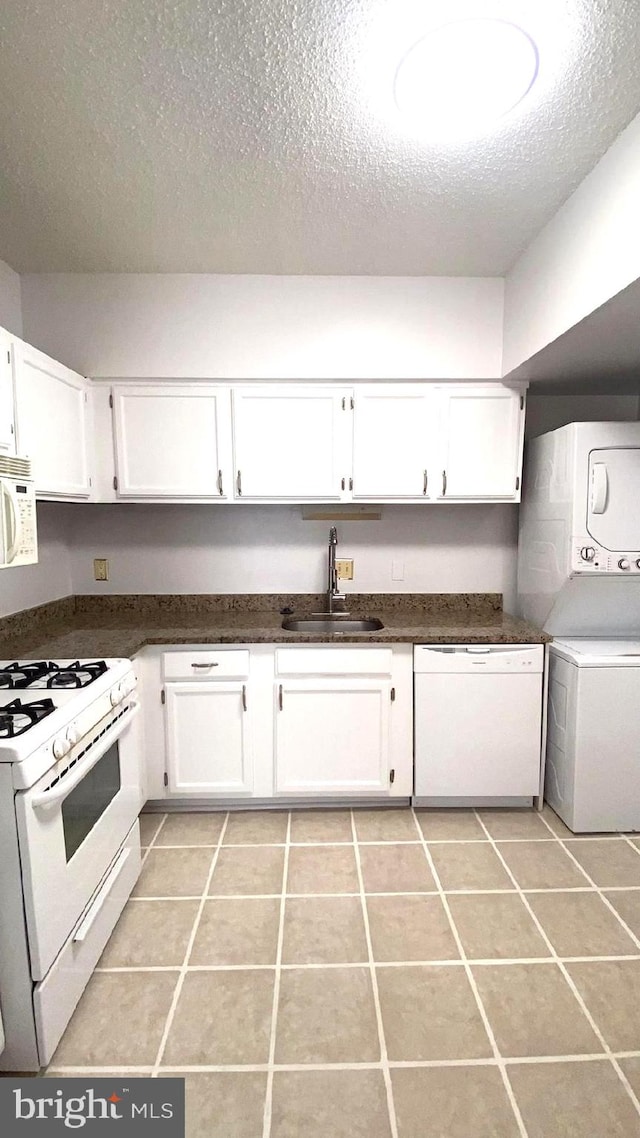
89, 799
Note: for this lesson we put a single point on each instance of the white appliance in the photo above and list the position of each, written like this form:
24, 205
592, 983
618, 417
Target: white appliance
18, 529
478, 721
69, 800
593, 740
579, 577
579, 543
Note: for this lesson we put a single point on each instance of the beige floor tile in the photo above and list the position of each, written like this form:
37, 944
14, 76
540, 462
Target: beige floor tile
496, 925
611, 991
627, 904
321, 826
237, 931
224, 1104
542, 865
452, 1102
174, 873
580, 924
386, 825
149, 825
533, 1011
256, 827
636, 842
515, 824
150, 934
556, 823
329, 1104
258, 869
324, 930
119, 1021
410, 928
449, 825
631, 1068
322, 869
469, 865
573, 1100
608, 861
191, 830
430, 1013
388, 868
326, 1017
221, 1018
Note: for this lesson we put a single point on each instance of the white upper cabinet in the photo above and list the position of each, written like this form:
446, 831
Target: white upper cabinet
480, 443
7, 426
52, 407
292, 442
172, 441
392, 449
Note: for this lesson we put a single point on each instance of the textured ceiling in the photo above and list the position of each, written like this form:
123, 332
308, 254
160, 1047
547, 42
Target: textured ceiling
259, 136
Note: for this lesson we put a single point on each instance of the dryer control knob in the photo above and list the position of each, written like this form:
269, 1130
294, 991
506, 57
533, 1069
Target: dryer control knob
587, 553
623, 563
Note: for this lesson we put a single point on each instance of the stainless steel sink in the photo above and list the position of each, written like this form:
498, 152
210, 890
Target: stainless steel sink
331, 624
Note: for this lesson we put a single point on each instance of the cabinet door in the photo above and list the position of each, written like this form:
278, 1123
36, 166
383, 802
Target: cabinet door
209, 738
291, 443
332, 737
392, 451
52, 424
172, 441
481, 433
7, 432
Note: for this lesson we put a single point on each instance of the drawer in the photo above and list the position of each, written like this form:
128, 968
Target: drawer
55, 997
206, 665
332, 661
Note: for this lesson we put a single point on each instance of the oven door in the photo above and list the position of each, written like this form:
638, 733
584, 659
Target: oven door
71, 825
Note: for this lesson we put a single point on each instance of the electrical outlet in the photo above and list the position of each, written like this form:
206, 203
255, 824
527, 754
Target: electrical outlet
344, 568
100, 569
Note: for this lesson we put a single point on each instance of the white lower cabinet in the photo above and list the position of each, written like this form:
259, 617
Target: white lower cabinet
306, 722
332, 737
208, 738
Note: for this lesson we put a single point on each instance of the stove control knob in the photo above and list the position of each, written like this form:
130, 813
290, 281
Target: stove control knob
73, 735
587, 553
60, 748
113, 696
638, 563
623, 563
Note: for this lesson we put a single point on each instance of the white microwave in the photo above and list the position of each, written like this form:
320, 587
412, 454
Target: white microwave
18, 528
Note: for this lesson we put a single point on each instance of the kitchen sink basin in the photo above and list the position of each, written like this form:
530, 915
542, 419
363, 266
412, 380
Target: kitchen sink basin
331, 624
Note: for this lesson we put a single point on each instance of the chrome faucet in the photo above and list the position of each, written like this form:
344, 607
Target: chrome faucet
333, 594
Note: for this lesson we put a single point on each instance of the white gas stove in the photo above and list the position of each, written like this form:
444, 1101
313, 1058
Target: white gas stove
69, 800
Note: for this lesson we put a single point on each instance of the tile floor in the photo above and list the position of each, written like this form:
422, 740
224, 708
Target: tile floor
377, 974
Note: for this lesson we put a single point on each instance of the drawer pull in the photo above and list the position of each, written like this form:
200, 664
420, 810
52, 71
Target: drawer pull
213, 664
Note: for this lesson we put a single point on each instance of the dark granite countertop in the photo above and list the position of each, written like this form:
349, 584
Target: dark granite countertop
109, 626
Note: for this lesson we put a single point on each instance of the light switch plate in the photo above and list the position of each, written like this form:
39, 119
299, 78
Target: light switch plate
100, 569
344, 568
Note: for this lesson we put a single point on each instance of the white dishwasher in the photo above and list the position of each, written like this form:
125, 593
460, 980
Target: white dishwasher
478, 721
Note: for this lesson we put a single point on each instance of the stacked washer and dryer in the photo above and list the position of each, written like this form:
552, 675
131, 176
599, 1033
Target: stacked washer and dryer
579, 578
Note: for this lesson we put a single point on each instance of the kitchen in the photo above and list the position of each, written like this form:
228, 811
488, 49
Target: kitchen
545, 314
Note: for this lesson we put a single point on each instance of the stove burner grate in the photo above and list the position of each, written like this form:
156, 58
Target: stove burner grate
47, 674
17, 717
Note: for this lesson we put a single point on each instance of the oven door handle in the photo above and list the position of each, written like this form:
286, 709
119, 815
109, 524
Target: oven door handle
63, 788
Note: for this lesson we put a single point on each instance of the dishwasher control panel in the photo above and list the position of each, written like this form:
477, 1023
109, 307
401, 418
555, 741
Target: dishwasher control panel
478, 657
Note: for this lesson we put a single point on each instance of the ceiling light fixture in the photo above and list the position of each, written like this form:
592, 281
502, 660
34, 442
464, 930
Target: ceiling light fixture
462, 77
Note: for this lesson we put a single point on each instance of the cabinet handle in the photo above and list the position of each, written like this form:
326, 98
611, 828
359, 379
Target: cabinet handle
220, 482
213, 664
425, 482
343, 483
244, 697
280, 696
239, 482
444, 483
351, 483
